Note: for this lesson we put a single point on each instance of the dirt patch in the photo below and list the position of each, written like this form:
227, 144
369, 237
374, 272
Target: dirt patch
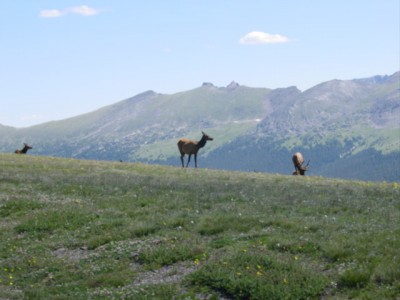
72, 254
167, 274
172, 274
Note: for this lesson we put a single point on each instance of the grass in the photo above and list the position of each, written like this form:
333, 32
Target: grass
74, 229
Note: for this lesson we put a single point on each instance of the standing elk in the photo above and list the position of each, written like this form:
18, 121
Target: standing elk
298, 162
190, 147
23, 150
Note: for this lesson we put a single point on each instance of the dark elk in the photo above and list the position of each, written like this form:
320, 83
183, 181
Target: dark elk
190, 147
23, 150
298, 162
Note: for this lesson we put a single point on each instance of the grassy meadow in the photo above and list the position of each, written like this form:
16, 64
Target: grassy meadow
75, 229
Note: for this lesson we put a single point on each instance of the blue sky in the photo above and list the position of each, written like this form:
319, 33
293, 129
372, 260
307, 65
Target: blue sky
59, 59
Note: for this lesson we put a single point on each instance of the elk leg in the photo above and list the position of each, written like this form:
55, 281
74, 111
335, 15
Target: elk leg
188, 160
182, 160
195, 160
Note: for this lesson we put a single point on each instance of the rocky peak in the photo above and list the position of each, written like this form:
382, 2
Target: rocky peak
233, 85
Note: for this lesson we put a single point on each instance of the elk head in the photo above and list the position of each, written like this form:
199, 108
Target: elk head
206, 136
298, 162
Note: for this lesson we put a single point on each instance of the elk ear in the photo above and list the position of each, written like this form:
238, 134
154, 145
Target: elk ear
202, 132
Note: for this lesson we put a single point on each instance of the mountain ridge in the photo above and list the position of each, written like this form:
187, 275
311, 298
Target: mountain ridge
353, 115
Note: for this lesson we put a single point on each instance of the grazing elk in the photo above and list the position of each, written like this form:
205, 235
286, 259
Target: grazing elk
190, 147
298, 162
23, 150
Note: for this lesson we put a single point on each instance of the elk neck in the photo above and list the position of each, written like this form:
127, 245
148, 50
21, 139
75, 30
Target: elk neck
202, 142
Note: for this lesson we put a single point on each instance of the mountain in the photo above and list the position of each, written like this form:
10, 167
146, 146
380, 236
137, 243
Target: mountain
147, 126
348, 128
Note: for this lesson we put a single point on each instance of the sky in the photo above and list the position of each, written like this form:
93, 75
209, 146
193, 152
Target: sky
60, 59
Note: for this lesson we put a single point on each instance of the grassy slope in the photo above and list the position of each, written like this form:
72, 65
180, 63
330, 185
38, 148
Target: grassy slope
75, 229
168, 149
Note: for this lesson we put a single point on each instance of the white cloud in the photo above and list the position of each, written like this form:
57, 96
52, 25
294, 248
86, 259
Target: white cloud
50, 13
82, 10
258, 37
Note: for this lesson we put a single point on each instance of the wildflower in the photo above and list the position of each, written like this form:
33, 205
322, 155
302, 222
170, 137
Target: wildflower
244, 250
238, 273
258, 273
296, 257
285, 281
196, 261
247, 268
259, 267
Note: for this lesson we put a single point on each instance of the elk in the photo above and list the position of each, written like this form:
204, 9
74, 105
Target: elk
190, 147
298, 162
23, 150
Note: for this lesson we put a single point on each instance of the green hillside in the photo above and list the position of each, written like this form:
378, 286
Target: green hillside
334, 123
146, 126
345, 157
80, 229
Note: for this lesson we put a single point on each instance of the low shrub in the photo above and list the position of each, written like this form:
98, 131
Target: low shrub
355, 278
251, 275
